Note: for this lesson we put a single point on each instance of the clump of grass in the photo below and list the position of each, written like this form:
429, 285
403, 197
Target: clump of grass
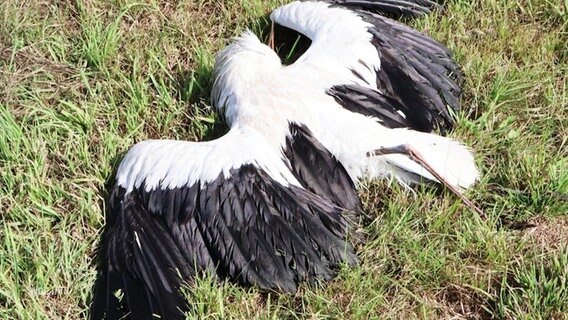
534, 287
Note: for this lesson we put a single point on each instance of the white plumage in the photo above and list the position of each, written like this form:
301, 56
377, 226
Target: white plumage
265, 205
339, 44
251, 83
170, 164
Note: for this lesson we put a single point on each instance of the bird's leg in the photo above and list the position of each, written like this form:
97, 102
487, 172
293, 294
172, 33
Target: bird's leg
417, 157
271, 36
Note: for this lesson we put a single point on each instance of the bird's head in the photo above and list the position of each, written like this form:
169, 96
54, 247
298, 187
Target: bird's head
240, 68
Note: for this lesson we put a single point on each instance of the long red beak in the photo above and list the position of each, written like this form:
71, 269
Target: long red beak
271, 36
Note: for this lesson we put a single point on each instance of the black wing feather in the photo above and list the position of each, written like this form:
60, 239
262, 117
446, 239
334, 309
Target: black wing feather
139, 257
372, 103
391, 8
418, 83
318, 170
245, 228
418, 78
417, 71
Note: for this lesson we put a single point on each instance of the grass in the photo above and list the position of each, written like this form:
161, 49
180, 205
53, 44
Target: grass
81, 81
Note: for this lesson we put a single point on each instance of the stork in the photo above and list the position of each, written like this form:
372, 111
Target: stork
369, 88
268, 203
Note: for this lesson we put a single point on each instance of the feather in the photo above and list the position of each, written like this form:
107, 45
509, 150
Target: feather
391, 8
252, 223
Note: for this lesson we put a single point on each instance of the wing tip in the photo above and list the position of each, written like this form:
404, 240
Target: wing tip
395, 9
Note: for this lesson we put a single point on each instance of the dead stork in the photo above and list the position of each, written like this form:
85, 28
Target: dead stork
369, 88
266, 204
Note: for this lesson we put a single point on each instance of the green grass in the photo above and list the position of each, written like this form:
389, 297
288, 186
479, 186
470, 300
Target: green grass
81, 81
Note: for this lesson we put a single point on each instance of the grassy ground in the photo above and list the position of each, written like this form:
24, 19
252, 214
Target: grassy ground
81, 81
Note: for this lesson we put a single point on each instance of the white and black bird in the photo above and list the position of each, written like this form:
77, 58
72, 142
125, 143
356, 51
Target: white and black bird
366, 85
267, 203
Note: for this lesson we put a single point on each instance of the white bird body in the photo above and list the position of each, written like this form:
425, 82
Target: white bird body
245, 90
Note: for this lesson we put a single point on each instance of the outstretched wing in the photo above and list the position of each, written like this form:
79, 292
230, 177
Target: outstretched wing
374, 65
230, 207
